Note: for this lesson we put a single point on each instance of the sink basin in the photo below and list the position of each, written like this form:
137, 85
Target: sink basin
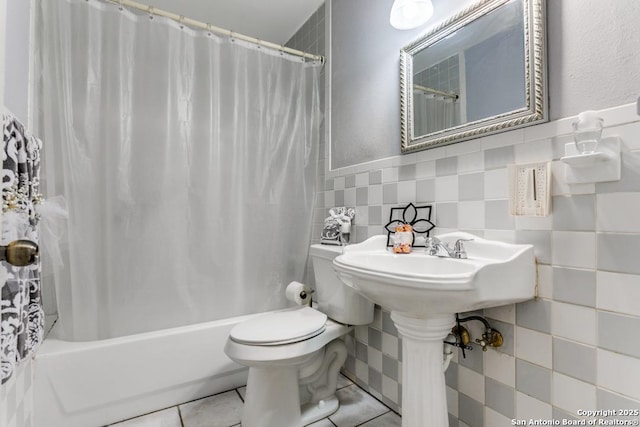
423, 293
418, 284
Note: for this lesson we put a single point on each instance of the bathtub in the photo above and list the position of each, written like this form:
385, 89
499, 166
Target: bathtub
93, 383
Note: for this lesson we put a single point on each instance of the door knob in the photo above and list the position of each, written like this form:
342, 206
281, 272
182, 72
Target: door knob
20, 253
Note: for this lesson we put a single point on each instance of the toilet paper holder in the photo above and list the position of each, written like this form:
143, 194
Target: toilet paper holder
306, 293
299, 293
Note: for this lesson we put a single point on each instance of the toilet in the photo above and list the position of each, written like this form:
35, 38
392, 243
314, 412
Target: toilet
294, 355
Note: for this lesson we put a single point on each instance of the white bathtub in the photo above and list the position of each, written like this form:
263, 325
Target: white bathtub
93, 383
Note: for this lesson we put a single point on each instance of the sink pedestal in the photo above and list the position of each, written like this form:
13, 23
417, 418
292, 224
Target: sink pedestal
424, 401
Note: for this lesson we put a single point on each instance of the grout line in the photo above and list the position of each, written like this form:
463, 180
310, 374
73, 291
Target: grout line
377, 416
180, 415
239, 395
379, 400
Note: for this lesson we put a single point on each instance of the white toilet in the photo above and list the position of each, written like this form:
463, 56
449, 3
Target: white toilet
294, 355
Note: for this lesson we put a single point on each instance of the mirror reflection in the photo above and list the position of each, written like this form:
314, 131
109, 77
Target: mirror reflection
471, 75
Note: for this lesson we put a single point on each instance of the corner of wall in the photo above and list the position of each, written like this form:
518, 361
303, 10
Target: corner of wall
3, 8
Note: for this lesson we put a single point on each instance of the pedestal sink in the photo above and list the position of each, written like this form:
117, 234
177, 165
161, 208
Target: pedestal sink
424, 292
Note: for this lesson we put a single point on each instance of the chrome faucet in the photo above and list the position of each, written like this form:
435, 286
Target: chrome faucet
436, 247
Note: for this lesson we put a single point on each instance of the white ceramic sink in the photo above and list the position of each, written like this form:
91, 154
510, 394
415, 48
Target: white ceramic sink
418, 284
423, 293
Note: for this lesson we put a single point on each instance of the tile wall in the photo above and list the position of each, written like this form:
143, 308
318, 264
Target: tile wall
575, 347
444, 76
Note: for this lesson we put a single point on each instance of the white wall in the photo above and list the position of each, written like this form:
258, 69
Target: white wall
3, 8
16, 57
594, 54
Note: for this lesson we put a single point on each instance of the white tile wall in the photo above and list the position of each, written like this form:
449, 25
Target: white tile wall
389, 175
426, 169
407, 192
471, 215
600, 211
534, 347
471, 383
617, 292
496, 419
533, 151
501, 367
504, 313
618, 212
620, 373
446, 188
495, 184
571, 394
528, 408
573, 322
573, 249
471, 162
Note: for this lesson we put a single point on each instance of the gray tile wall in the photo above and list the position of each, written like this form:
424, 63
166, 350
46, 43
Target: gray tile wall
553, 360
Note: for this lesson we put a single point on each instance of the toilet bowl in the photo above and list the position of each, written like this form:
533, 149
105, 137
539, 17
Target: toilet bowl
294, 355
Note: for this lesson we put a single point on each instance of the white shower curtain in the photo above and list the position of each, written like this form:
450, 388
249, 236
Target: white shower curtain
188, 165
433, 113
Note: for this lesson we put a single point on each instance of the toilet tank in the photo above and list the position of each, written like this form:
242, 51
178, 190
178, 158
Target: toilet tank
334, 298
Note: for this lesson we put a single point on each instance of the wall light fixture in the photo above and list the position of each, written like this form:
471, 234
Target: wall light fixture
408, 14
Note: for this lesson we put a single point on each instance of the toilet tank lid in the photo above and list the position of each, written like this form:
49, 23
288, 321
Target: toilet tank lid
325, 251
280, 327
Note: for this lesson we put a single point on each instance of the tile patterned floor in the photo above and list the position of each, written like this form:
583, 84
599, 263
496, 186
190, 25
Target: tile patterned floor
357, 408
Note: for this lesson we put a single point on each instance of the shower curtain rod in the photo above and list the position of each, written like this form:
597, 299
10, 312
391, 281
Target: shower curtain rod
212, 28
436, 91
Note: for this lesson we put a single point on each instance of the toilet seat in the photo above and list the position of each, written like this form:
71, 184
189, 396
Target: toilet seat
284, 327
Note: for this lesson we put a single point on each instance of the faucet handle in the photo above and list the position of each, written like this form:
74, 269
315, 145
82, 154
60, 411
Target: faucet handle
432, 241
458, 248
431, 244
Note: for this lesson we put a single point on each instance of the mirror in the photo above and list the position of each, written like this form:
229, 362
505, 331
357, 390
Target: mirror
482, 71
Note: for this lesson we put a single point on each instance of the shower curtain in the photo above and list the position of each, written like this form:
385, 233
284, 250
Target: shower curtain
433, 113
187, 162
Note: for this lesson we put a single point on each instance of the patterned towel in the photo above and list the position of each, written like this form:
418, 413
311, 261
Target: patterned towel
22, 316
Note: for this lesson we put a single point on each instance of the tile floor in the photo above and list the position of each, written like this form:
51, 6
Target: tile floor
357, 408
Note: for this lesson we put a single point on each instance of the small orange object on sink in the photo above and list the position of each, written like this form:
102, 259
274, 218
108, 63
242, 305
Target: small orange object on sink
402, 239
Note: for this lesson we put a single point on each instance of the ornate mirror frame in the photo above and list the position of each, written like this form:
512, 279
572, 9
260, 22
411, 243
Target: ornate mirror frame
536, 103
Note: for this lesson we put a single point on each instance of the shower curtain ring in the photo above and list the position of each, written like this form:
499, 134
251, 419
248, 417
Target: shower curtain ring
151, 10
181, 21
210, 28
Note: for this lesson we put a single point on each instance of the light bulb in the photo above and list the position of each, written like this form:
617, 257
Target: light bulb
408, 14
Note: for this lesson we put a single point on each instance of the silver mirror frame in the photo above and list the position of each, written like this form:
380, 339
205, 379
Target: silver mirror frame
536, 108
